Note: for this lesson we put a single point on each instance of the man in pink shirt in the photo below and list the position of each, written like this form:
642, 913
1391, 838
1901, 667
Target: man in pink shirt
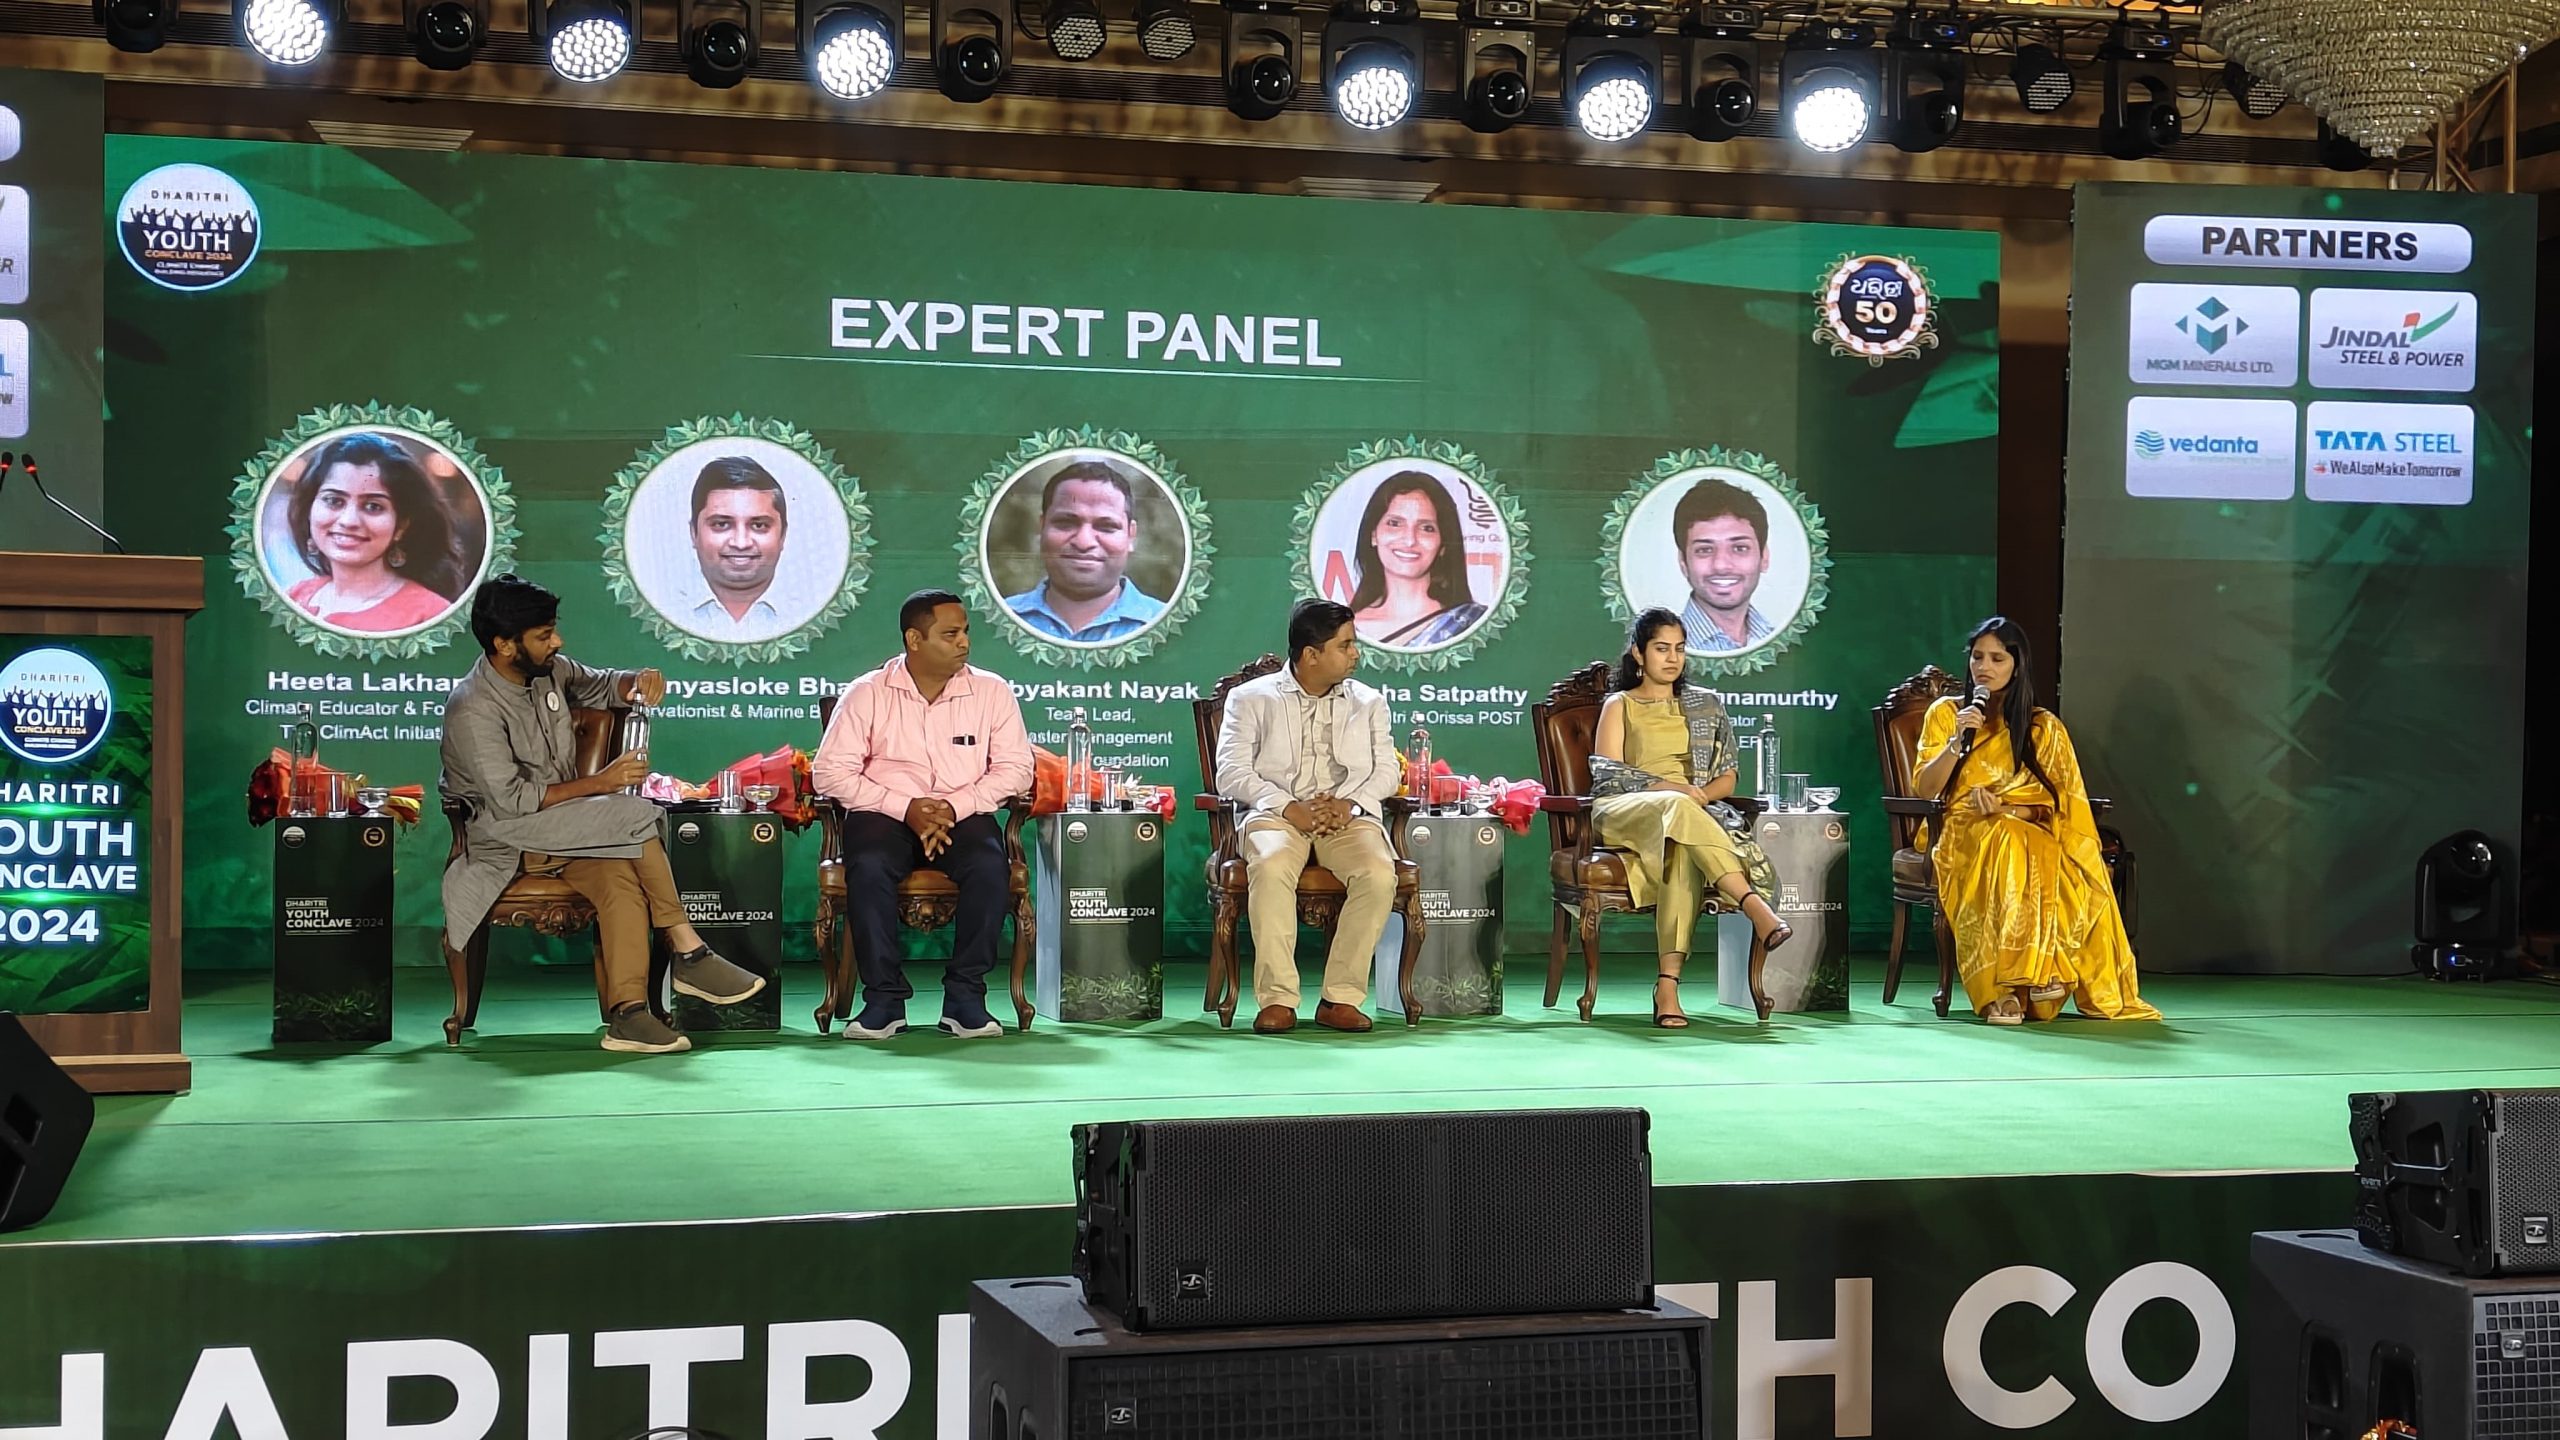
921, 753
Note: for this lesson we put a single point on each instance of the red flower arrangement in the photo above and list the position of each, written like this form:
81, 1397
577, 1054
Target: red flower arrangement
270, 790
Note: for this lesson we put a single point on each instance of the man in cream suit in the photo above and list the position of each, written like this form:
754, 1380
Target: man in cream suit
1307, 755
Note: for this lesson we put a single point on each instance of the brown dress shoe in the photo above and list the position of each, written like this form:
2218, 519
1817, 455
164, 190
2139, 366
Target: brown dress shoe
1341, 1017
1275, 1020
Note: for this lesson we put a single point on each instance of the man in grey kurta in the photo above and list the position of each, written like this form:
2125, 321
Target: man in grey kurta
510, 753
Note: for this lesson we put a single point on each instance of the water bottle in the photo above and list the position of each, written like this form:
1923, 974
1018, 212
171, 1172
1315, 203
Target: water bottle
635, 737
1418, 770
1079, 764
1766, 771
302, 738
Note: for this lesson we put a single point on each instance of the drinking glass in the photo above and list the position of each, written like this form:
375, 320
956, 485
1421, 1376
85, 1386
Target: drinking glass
729, 804
762, 796
372, 798
1791, 791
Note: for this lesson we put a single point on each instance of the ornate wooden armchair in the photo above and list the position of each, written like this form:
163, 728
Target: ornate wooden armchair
927, 900
1915, 882
1320, 891
1588, 878
543, 903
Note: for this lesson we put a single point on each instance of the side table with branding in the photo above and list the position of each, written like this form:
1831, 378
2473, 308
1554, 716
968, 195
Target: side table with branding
728, 871
1099, 936
1459, 971
1809, 850
333, 928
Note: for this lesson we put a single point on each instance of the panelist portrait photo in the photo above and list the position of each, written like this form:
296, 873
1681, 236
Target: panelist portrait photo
372, 532
1731, 548
737, 540
1417, 547
1085, 548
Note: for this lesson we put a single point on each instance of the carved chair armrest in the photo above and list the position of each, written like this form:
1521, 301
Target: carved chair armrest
1749, 807
1017, 812
829, 813
1568, 821
1911, 807
2099, 805
457, 814
1400, 812
1222, 823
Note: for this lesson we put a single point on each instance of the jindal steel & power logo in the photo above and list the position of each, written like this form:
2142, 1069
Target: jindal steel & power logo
54, 706
2395, 340
188, 227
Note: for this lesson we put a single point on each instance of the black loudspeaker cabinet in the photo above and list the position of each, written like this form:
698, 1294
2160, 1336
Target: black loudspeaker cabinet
1319, 1219
1045, 1365
44, 1120
2342, 1337
2464, 1178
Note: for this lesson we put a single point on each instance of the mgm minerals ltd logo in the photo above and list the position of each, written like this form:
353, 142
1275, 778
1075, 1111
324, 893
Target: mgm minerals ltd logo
54, 706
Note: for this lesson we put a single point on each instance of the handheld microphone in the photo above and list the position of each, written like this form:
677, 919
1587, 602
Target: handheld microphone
1964, 742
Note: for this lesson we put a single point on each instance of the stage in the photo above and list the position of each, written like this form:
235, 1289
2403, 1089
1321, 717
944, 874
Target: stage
531, 1124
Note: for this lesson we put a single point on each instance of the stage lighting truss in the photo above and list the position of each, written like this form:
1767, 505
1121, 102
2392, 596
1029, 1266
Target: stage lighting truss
1612, 74
972, 48
1829, 84
1166, 30
444, 34
1924, 80
2045, 84
721, 38
1720, 65
1498, 67
1074, 29
2141, 115
586, 41
1373, 61
1260, 60
850, 50
2258, 99
135, 26
286, 32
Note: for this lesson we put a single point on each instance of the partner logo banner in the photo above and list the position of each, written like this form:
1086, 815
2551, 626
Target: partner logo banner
2179, 448
2382, 454
2395, 340
2215, 335
2266, 243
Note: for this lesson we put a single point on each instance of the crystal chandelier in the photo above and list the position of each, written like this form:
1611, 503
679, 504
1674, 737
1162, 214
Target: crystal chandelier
2379, 71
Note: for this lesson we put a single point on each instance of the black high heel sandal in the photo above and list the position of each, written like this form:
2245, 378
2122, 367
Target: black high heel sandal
1671, 1019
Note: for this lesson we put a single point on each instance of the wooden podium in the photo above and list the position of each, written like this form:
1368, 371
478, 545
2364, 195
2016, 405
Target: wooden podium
150, 596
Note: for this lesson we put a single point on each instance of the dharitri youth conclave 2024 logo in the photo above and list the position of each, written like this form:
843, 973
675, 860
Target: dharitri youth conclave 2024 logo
54, 705
188, 227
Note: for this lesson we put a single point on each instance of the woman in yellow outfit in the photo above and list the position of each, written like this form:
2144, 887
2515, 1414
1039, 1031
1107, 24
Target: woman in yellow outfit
1662, 766
2020, 879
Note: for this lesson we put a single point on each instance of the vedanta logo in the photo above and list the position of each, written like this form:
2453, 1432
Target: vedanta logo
2151, 444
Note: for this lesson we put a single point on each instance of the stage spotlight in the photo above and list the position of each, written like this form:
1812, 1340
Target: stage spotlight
720, 40
1496, 64
2044, 83
586, 41
2337, 152
444, 34
1372, 61
2466, 917
1075, 29
136, 26
851, 50
1261, 57
1829, 83
286, 32
1924, 75
1721, 65
2141, 115
1166, 30
1612, 74
2258, 99
972, 48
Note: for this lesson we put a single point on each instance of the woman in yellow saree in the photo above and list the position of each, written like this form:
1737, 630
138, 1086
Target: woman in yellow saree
2020, 879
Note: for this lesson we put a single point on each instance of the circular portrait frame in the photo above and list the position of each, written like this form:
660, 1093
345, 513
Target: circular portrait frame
627, 590
250, 499
1699, 464
978, 583
1509, 519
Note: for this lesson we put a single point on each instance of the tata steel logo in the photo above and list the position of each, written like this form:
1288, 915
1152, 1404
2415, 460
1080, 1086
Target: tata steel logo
2212, 325
2375, 453
2375, 442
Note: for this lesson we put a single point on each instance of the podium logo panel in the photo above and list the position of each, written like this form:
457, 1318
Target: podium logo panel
54, 706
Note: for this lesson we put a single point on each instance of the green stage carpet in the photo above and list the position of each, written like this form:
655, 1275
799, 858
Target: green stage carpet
531, 1124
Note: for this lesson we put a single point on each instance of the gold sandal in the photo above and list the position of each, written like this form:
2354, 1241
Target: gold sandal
2004, 1011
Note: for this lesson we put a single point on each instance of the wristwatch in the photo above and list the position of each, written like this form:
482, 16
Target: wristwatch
1359, 811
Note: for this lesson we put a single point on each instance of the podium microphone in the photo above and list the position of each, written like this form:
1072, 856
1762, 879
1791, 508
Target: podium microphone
94, 527
1964, 742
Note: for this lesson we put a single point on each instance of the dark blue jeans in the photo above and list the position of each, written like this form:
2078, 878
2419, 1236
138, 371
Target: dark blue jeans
879, 852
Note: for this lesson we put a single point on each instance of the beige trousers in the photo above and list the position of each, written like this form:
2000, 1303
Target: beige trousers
1275, 854
631, 897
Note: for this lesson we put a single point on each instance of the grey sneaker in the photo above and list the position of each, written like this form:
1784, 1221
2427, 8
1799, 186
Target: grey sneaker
706, 977
635, 1030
